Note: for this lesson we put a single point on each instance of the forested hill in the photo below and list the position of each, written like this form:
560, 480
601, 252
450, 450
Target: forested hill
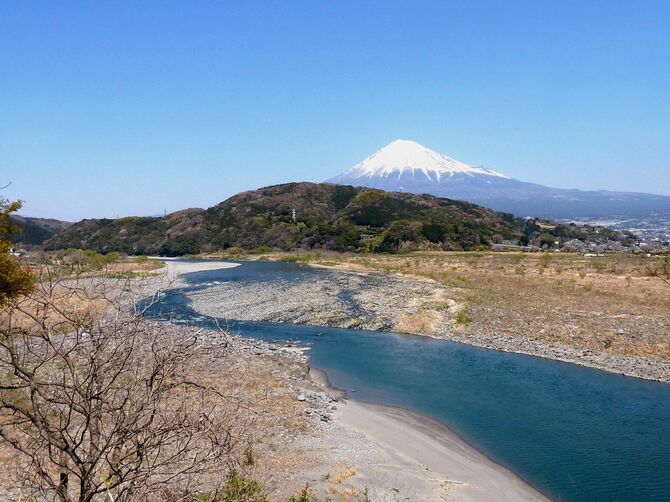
327, 216
34, 231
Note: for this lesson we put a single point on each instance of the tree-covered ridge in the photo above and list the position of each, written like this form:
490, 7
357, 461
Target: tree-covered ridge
35, 231
335, 217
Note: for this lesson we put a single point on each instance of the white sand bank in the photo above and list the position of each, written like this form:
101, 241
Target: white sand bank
426, 460
400, 455
176, 267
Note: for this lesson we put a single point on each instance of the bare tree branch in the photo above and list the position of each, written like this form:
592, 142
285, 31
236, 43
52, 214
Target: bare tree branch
99, 402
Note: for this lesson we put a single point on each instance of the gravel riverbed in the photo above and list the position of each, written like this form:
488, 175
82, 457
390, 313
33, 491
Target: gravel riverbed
381, 302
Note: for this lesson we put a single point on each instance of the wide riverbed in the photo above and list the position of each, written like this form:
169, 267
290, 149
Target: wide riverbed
572, 432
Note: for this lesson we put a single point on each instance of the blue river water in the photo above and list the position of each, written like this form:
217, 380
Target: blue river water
574, 433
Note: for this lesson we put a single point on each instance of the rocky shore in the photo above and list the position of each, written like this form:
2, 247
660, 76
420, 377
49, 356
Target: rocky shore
343, 299
377, 301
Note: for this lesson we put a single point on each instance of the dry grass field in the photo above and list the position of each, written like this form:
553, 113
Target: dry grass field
612, 304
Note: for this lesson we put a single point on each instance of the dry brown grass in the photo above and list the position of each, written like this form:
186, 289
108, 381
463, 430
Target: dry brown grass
342, 485
419, 322
87, 291
605, 304
136, 266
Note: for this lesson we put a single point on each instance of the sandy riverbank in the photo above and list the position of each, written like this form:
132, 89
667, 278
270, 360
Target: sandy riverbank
400, 455
428, 460
175, 267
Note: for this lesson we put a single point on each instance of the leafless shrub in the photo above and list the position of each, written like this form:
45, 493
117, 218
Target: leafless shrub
99, 403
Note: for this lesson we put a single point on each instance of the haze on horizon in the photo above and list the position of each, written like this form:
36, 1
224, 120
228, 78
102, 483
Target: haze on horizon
139, 107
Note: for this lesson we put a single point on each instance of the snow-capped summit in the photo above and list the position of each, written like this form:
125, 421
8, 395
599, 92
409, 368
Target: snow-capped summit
407, 166
403, 157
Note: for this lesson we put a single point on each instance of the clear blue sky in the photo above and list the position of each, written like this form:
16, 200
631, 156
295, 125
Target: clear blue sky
116, 108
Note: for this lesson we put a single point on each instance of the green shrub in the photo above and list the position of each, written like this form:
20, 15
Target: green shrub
249, 457
15, 280
239, 488
179, 248
434, 233
462, 317
112, 257
547, 240
304, 496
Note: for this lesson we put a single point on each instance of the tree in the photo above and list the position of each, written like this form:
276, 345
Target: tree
100, 403
400, 233
547, 240
660, 269
14, 279
434, 232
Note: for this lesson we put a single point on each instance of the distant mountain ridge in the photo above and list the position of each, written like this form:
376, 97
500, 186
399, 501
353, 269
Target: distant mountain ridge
34, 231
327, 216
410, 167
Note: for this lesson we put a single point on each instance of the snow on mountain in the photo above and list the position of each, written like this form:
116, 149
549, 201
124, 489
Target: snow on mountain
407, 166
403, 156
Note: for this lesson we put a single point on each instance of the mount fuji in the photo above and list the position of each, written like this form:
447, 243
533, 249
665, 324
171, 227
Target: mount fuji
407, 166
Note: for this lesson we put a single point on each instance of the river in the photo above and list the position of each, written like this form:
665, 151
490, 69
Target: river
572, 432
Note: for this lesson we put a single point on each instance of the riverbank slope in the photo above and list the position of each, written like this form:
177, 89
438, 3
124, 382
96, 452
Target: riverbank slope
400, 455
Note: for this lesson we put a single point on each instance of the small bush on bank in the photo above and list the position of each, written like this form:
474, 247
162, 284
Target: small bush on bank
304, 496
239, 488
295, 259
462, 317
